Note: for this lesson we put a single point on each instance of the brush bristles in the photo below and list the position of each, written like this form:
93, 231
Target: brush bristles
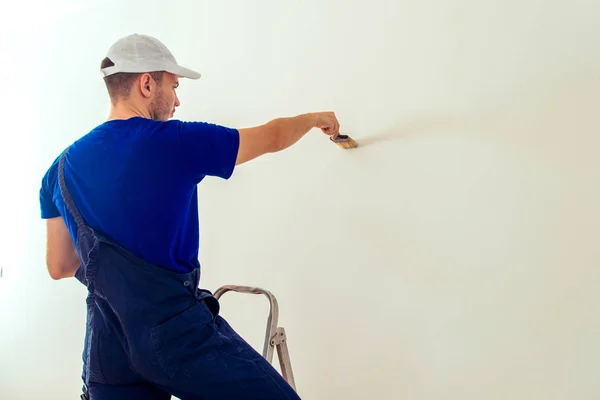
345, 142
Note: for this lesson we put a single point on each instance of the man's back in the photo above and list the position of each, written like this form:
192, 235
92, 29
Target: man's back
136, 180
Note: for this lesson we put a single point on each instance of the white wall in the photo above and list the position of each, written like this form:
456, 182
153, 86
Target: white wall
451, 256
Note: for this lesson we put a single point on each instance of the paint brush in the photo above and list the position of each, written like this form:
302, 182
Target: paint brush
344, 141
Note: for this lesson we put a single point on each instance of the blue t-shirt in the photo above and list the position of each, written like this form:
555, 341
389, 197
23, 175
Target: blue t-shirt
135, 181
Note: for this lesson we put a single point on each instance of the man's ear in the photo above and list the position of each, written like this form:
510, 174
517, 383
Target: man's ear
147, 85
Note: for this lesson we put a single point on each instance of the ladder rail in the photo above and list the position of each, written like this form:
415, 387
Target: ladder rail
275, 337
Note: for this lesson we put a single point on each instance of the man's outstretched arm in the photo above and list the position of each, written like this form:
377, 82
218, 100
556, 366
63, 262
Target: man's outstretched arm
282, 133
61, 257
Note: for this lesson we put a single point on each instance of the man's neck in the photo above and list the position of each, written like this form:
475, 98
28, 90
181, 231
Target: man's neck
126, 111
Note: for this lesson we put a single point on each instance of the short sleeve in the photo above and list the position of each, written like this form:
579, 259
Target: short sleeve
47, 207
209, 149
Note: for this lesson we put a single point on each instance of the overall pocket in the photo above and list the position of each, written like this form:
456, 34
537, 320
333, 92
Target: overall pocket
186, 340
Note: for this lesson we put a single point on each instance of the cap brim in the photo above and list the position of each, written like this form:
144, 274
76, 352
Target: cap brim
183, 72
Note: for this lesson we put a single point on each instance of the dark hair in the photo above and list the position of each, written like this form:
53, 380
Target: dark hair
119, 85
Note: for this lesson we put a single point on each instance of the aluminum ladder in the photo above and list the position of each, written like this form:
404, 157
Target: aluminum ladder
275, 337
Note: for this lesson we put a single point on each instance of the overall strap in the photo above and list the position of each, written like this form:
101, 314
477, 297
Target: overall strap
66, 195
81, 273
85, 235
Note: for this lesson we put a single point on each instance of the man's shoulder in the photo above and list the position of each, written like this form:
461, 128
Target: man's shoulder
51, 172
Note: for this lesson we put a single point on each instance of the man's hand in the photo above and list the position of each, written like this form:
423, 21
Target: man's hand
328, 123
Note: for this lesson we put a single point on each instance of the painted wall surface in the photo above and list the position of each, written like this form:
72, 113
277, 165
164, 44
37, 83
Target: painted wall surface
453, 255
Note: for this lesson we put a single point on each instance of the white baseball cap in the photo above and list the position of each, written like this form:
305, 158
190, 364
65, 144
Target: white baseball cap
142, 53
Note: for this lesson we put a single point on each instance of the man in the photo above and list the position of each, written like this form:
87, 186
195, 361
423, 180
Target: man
122, 217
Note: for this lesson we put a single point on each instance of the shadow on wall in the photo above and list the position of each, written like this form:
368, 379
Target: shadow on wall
538, 116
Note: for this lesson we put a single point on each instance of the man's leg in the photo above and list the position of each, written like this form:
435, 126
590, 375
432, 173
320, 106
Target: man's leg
140, 391
203, 358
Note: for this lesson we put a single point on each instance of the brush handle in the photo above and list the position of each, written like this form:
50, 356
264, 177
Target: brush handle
339, 137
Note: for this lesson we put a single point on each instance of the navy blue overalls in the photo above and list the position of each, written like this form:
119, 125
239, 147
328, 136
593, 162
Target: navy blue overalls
152, 333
